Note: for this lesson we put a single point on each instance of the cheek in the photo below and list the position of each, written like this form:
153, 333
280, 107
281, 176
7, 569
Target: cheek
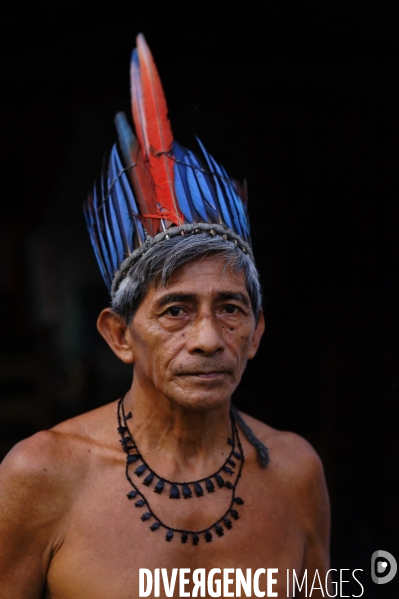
165, 348
239, 340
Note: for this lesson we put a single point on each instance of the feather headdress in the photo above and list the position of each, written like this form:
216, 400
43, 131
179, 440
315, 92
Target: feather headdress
153, 188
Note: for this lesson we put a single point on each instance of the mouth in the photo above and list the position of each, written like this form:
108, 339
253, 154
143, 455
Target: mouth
206, 375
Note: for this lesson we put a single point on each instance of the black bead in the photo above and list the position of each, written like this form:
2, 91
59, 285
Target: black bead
239, 501
219, 530
195, 539
155, 526
210, 487
230, 461
186, 492
132, 494
139, 471
237, 455
234, 513
219, 480
139, 503
124, 440
227, 469
146, 516
198, 490
227, 522
230, 441
127, 448
229, 485
184, 537
133, 458
174, 492
121, 429
129, 415
208, 536
159, 486
169, 535
148, 479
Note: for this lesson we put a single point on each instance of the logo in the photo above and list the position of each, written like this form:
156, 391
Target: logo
383, 567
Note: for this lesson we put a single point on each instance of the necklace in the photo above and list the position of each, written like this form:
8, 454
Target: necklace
177, 488
133, 455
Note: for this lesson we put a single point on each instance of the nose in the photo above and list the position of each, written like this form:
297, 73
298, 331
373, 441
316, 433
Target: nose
205, 336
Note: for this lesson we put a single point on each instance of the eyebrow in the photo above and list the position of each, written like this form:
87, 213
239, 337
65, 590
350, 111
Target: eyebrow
170, 298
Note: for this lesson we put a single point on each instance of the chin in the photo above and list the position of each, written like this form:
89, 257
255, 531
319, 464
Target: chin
200, 401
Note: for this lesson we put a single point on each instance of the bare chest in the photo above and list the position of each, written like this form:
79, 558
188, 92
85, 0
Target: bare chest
109, 552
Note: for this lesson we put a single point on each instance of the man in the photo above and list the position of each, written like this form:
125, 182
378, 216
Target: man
164, 477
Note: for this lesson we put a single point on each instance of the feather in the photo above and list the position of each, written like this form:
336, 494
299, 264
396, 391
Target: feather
133, 226
131, 210
139, 174
158, 140
95, 242
99, 220
126, 139
108, 231
195, 192
203, 205
209, 206
117, 206
242, 190
222, 201
224, 184
137, 104
181, 185
182, 195
236, 203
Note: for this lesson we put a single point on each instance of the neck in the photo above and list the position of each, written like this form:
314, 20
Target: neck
177, 436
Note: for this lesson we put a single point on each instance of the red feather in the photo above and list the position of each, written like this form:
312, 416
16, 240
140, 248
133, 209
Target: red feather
140, 176
150, 114
145, 192
137, 105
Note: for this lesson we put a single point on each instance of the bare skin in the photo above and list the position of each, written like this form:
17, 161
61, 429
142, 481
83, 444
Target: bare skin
67, 530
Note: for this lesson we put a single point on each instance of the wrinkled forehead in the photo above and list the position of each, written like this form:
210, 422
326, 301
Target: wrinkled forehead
210, 274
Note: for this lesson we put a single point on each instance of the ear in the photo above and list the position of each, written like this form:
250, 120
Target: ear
260, 329
116, 333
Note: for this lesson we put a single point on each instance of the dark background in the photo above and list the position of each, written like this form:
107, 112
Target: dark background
301, 99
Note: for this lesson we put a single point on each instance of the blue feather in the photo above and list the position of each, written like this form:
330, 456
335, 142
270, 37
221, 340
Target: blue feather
95, 242
128, 207
195, 192
99, 219
126, 138
132, 223
236, 202
113, 233
181, 186
181, 195
206, 190
118, 203
223, 203
227, 194
107, 229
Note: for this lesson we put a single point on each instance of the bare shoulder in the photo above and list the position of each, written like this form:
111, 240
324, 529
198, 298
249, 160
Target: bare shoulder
297, 469
50, 465
40, 480
289, 453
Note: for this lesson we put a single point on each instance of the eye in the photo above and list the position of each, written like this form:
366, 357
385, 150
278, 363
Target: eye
231, 309
174, 311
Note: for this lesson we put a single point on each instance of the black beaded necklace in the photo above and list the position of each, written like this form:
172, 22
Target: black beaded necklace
133, 455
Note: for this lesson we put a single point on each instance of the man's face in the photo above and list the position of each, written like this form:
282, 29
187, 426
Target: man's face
191, 339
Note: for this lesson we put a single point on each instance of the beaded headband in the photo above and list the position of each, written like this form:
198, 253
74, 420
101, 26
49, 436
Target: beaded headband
154, 189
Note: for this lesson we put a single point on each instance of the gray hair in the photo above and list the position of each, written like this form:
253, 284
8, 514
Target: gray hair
159, 263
